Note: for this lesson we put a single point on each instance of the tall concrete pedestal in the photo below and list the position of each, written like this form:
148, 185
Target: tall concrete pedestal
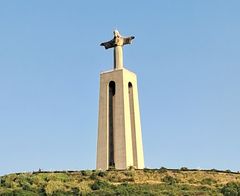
119, 128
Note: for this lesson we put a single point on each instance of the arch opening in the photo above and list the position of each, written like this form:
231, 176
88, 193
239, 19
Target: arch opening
111, 108
132, 121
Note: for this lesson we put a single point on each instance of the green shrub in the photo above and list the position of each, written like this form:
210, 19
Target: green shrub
208, 181
93, 176
102, 174
213, 170
147, 170
75, 191
162, 170
2, 182
111, 168
26, 186
41, 190
169, 180
129, 173
124, 184
86, 172
231, 189
184, 169
131, 168
23, 193
99, 184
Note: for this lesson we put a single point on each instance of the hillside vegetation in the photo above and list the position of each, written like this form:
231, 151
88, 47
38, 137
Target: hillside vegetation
129, 182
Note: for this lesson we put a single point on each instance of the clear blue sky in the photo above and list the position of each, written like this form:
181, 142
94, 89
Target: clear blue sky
187, 58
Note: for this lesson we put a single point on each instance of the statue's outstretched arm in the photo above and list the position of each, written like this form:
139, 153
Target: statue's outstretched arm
128, 40
108, 44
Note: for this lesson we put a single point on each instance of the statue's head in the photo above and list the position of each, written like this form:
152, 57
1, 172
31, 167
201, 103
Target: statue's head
116, 33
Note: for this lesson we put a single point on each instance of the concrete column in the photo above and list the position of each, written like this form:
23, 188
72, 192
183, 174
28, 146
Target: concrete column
118, 57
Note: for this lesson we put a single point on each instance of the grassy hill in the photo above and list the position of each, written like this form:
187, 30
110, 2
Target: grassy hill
129, 182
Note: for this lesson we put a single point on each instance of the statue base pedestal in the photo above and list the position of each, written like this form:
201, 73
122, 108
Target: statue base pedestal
119, 126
